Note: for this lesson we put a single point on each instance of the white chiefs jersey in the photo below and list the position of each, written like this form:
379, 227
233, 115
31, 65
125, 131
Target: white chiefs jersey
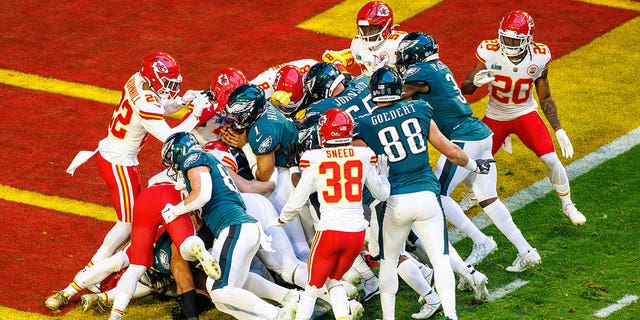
227, 159
511, 92
372, 60
266, 78
338, 175
210, 130
138, 113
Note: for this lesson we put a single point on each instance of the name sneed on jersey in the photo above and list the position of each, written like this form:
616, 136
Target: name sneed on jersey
392, 114
339, 152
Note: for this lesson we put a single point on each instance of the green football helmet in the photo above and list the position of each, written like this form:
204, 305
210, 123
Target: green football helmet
386, 85
416, 47
175, 148
246, 104
320, 81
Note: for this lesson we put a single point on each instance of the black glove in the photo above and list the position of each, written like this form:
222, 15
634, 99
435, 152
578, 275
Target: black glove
293, 154
484, 165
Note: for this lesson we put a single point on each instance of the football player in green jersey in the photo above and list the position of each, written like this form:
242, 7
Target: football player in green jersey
427, 78
400, 131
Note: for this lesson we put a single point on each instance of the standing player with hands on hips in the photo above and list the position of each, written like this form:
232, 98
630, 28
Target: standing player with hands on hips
511, 66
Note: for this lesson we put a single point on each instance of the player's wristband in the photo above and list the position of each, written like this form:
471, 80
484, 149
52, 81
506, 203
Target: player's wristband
471, 165
293, 170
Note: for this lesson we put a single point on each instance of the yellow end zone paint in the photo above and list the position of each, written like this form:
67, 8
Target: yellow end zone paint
65, 88
56, 203
340, 20
620, 4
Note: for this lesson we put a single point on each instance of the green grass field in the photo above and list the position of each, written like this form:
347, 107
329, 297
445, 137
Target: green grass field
583, 269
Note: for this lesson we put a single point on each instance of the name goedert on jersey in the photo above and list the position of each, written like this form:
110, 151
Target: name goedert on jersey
393, 114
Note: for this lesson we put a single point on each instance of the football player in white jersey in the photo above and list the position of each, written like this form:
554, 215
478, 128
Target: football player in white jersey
376, 43
147, 97
511, 66
338, 173
283, 85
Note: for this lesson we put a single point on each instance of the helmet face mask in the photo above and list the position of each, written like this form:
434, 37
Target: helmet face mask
162, 72
335, 127
246, 104
174, 149
515, 33
375, 23
386, 85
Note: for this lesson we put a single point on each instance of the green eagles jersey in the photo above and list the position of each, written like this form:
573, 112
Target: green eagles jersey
225, 208
401, 131
451, 112
269, 131
355, 100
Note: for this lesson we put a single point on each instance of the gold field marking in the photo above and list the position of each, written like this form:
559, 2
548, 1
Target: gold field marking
340, 20
620, 4
71, 89
56, 203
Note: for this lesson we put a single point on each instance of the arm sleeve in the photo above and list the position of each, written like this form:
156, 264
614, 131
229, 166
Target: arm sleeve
206, 186
161, 130
377, 183
300, 195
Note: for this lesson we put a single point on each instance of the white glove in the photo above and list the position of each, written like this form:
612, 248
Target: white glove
168, 214
506, 145
276, 222
565, 143
482, 77
200, 103
188, 96
383, 164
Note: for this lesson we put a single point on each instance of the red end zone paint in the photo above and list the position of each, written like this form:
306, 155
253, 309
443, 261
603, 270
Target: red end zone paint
41, 252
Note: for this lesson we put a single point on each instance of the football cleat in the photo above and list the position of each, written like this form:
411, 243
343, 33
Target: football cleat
92, 301
477, 282
576, 217
468, 201
428, 310
526, 261
207, 261
356, 310
57, 300
371, 288
481, 251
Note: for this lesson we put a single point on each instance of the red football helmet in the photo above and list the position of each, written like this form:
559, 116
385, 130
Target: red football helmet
289, 79
215, 145
335, 126
375, 23
162, 72
224, 82
515, 33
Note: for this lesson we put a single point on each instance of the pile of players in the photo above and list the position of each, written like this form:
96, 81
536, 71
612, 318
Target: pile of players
300, 183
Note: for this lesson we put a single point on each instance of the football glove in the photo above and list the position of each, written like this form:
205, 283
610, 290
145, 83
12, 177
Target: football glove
188, 96
383, 164
280, 98
200, 103
482, 77
483, 166
565, 143
276, 222
168, 214
343, 57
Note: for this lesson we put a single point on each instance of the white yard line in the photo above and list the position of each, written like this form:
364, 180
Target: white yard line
625, 301
498, 293
543, 187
